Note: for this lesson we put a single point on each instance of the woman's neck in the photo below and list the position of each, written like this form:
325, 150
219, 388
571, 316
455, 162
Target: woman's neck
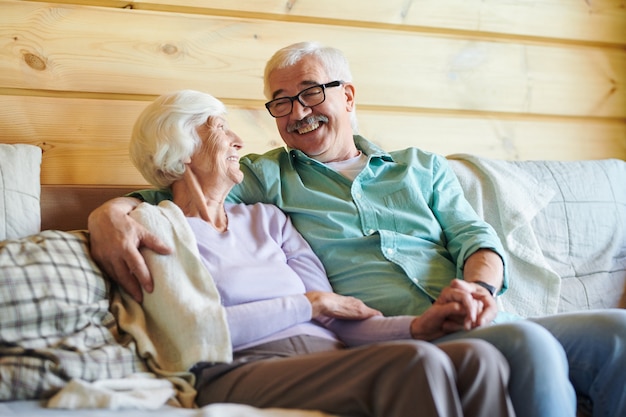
194, 202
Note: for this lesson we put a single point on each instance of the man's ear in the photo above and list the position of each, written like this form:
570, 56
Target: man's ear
349, 92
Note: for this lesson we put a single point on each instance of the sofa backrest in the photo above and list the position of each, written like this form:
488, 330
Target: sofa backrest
572, 222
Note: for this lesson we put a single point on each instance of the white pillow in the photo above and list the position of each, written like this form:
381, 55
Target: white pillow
20, 213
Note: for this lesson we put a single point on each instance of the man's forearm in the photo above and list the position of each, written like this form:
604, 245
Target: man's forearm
119, 205
486, 266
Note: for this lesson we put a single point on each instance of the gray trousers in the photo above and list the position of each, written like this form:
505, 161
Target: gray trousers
391, 379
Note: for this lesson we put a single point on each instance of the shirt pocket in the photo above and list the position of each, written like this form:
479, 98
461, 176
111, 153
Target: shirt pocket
407, 212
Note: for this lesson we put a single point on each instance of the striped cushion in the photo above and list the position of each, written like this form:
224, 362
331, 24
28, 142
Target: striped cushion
55, 322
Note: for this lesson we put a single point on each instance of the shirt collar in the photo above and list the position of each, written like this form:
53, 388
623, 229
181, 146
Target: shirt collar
369, 149
365, 146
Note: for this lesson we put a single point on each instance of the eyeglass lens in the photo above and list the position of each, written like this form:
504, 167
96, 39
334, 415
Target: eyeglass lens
308, 97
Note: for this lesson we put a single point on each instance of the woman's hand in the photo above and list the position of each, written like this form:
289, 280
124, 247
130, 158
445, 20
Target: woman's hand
115, 239
460, 306
439, 320
338, 306
477, 304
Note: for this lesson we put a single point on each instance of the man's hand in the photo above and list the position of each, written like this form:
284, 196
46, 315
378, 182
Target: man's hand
439, 320
115, 240
338, 306
460, 306
478, 307
461, 293
488, 307
487, 266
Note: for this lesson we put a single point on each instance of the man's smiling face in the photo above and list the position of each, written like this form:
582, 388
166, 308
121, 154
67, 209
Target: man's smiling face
323, 132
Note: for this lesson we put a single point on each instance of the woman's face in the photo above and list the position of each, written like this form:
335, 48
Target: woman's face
217, 160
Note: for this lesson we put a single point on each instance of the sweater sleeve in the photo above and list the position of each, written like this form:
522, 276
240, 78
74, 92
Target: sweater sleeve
252, 321
372, 330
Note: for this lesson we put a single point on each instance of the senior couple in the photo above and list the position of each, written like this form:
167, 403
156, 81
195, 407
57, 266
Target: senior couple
414, 268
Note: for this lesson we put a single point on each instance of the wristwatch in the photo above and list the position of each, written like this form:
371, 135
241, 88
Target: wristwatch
492, 290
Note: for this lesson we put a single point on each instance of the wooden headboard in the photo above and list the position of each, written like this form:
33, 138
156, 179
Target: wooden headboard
507, 80
67, 207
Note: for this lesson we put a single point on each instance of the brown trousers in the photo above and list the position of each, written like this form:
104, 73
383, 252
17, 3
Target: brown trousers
391, 379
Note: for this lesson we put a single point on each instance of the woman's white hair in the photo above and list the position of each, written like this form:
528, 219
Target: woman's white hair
332, 59
165, 135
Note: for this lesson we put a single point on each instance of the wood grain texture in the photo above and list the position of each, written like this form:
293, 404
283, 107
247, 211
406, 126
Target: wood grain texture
600, 21
85, 141
122, 51
501, 79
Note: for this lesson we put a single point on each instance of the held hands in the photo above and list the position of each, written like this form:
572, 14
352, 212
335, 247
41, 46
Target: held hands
460, 306
472, 305
477, 306
115, 240
337, 306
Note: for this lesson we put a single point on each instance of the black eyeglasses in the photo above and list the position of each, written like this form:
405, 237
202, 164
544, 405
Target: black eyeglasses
308, 97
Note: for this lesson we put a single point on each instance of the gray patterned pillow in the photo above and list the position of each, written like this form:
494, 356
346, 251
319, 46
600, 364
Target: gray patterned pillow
55, 322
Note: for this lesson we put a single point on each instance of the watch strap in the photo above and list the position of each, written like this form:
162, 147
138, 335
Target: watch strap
492, 290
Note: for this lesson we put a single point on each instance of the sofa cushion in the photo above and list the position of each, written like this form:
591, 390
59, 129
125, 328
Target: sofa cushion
54, 319
582, 231
20, 214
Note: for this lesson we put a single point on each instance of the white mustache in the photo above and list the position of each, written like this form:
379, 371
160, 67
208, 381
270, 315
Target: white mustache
306, 121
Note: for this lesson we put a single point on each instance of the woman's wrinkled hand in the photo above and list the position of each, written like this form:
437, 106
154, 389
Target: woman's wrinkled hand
437, 321
338, 306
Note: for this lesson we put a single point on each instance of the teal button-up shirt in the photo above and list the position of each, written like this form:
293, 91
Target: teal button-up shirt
393, 237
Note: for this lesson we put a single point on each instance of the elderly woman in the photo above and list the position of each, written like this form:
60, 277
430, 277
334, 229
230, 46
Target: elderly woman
295, 343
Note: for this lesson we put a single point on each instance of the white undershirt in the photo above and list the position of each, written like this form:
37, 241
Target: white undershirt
349, 168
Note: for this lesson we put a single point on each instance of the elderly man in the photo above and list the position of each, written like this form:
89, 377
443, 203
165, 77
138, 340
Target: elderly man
393, 229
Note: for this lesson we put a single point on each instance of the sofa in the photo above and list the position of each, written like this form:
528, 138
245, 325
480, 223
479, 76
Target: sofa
563, 225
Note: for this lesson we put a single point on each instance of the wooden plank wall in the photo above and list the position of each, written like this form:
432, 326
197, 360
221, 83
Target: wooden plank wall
502, 79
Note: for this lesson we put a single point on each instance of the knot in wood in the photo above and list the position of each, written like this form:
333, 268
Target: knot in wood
169, 49
35, 62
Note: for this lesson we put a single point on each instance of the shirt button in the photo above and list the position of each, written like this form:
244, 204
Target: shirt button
370, 232
357, 196
389, 251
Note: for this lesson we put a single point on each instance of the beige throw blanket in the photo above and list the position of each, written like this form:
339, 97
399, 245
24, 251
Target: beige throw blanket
182, 321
